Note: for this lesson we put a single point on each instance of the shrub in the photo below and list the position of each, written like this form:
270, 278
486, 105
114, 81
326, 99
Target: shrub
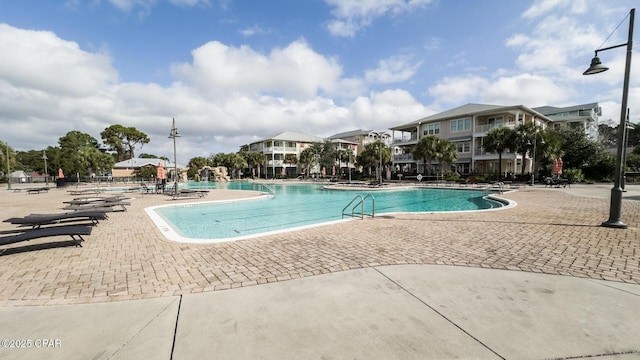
573, 175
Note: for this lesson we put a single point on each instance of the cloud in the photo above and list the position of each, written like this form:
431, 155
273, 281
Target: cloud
352, 16
294, 71
392, 70
253, 30
223, 98
27, 63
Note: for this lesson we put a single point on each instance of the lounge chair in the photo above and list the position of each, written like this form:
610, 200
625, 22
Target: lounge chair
189, 193
96, 200
37, 220
37, 190
100, 206
85, 191
75, 232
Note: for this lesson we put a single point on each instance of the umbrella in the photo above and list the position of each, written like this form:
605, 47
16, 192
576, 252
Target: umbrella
324, 172
60, 174
161, 174
284, 171
556, 169
333, 171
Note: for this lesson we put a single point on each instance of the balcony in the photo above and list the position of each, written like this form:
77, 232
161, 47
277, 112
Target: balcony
279, 150
486, 128
402, 157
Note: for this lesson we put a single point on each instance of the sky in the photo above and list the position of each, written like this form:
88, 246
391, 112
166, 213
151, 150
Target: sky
231, 72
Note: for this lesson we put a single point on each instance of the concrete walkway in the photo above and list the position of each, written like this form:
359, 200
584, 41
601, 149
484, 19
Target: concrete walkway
392, 302
387, 312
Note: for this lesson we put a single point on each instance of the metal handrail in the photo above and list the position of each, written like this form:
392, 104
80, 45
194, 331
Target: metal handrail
361, 204
270, 190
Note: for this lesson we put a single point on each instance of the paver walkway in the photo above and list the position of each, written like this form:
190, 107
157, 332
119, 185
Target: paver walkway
126, 257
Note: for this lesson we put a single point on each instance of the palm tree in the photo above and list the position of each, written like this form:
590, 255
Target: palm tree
341, 155
446, 153
426, 149
522, 138
499, 140
290, 159
307, 157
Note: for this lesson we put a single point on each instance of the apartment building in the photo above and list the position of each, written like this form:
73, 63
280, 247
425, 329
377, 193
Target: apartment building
277, 147
583, 116
466, 126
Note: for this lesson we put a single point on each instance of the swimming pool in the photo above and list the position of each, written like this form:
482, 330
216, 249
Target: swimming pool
299, 205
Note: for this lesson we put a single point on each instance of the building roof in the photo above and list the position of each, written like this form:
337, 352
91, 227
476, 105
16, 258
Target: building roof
467, 109
293, 136
350, 134
140, 162
551, 110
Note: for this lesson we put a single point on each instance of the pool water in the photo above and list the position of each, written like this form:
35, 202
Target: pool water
300, 205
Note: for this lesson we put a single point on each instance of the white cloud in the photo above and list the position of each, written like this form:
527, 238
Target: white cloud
225, 97
392, 70
294, 71
253, 30
40, 61
352, 16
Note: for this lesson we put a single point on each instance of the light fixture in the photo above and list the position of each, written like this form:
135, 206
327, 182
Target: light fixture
615, 208
596, 66
173, 135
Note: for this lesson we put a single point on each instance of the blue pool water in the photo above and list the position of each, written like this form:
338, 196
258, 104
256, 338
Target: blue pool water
301, 205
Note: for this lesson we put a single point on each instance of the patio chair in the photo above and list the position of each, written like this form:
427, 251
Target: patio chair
38, 220
75, 232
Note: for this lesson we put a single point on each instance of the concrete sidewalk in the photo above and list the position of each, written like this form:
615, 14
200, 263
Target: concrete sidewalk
386, 312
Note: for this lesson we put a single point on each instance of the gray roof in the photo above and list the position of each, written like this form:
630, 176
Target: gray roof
350, 134
551, 110
293, 136
140, 162
468, 109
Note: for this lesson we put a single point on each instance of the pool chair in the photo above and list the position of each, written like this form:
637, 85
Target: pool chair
75, 232
98, 204
37, 190
189, 193
38, 220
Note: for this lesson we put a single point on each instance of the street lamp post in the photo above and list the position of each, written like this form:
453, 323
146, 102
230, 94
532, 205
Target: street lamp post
628, 126
46, 174
173, 135
533, 157
8, 169
381, 137
615, 208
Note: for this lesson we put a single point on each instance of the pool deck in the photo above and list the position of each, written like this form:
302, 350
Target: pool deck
539, 280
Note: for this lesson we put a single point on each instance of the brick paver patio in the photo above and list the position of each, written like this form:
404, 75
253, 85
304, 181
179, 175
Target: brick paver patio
126, 257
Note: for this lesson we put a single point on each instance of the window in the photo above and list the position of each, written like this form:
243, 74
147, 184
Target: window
463, 147
431, 129
460, 125
497, 121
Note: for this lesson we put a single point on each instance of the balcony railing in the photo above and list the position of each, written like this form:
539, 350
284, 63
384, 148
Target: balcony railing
403, 157
489, 127
280, 149
480, 152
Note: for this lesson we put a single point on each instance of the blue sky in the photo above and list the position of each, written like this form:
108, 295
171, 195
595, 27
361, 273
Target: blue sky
232, 72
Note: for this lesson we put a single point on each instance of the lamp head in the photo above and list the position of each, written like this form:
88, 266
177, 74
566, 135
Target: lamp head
596, 66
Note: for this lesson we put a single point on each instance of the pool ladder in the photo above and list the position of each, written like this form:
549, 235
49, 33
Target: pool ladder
268, 189
359, 201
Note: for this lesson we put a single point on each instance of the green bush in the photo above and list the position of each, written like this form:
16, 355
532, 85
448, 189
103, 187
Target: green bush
573, 175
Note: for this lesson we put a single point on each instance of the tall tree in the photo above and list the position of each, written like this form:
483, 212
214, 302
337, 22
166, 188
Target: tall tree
254, 160
307, 158
79, 153
426, 149
123, 140
446, 153
372, 154
499, 140
195, 164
